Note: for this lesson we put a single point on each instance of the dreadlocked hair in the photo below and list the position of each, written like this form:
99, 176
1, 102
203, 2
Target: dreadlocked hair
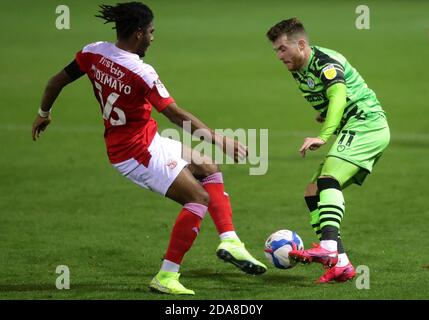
128, 17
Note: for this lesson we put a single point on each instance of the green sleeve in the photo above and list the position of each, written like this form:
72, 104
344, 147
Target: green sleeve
337, 102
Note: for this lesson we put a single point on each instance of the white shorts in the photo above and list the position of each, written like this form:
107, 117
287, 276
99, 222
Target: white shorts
164, 166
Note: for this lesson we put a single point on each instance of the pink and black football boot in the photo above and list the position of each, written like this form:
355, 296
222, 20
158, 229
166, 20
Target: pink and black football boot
315, 254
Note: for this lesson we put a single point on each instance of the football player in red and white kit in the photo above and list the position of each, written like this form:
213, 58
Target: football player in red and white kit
126, 89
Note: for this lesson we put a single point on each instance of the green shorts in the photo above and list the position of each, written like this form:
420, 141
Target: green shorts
361, 142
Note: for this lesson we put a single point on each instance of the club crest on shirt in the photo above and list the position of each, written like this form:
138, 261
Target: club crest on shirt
329, 72
341, 148
171, 164
161, 89
310, 83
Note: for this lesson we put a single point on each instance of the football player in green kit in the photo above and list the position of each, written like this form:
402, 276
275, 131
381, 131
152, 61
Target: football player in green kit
348, 109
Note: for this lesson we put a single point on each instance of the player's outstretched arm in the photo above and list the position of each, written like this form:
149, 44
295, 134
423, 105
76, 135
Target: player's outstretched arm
337, 101
52, 90
179, 116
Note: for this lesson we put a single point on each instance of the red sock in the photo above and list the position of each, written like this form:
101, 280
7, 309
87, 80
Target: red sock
185, 231
219, 206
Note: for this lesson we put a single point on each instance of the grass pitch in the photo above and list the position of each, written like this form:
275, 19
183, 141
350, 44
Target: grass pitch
61, 203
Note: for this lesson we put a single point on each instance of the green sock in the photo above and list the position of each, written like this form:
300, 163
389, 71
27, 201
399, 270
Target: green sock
331, 208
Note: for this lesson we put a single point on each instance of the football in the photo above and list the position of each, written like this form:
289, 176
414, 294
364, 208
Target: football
279, 244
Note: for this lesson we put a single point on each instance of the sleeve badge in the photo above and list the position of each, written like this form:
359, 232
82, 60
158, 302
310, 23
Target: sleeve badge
329, 72
161, 89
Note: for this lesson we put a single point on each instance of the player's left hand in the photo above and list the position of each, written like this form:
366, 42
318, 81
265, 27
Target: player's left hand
312, 144
40, 125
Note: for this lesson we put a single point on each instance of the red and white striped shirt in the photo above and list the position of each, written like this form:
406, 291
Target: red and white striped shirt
126, 89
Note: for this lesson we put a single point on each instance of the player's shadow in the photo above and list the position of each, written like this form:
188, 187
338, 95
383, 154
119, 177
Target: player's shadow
241, 279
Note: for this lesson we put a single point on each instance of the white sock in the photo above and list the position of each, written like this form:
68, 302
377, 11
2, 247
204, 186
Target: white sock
343, 260
228, 235
170, 266
330, 245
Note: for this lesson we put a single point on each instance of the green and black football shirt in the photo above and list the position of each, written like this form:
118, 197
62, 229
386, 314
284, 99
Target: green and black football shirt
327, 67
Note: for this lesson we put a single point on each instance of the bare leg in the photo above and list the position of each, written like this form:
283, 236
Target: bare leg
186, 189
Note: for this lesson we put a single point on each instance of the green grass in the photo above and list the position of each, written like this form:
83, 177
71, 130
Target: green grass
61, 203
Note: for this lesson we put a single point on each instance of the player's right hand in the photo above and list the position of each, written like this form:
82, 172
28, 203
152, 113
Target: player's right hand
40, 125
311, 144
